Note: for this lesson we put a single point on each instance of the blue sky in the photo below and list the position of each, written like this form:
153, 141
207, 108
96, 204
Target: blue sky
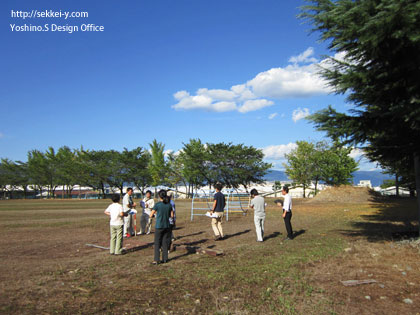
241, 71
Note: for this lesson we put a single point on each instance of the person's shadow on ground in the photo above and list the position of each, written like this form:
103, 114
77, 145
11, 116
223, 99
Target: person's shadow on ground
272, 235
236, 234
193, 234
137, 248
298, 233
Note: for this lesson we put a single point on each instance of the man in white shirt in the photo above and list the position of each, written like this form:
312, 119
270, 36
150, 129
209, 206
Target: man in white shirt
115, 212
128, 205
145, 220
287, 212
258, 204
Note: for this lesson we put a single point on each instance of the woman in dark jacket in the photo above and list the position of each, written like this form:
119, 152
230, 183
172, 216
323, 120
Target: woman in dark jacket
163, 211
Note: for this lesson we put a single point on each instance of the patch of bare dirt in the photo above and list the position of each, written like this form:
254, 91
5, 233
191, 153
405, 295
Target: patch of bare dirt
345, 194
395, 270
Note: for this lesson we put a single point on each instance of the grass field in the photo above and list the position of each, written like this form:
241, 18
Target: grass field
47, 268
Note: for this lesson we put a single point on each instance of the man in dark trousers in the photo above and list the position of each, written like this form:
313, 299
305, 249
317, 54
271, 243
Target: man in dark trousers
218, 210
287, 212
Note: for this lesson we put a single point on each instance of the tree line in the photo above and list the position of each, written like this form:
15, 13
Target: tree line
195, 165
319, 162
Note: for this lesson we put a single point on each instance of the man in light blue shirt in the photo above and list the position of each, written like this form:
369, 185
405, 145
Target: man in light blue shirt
258, 204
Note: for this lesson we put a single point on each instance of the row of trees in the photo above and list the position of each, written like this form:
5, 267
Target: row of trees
320, 161
195, 165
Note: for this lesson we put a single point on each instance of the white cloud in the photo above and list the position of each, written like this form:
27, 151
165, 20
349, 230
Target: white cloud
252, 105
272, 116
299, 114
306, 57
170, 151
298, 79
224, 106
243, 92
201, 101
364, 163
181, 94
222, 95
167, 152
289, 82
277, 152
356, 153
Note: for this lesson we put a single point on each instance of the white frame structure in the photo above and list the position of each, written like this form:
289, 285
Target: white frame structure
236, 206
201, 196
206, 196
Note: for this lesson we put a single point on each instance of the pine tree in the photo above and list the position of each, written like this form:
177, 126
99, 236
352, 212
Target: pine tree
379, 45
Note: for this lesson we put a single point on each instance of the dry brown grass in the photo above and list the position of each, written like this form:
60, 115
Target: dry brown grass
47, 268
396, 270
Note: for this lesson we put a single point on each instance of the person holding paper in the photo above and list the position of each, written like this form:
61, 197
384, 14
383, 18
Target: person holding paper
145, 220
128, 205
218, 210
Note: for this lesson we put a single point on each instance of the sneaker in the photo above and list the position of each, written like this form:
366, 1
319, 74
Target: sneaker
127, 235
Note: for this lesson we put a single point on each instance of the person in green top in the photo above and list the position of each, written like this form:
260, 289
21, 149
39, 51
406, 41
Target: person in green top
163, 211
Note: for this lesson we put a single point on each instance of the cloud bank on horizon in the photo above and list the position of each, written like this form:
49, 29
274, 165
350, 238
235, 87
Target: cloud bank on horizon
300, 78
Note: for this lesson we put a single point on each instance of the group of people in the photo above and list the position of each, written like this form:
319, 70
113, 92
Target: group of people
146, 220
258, 204
122, 216
164, 212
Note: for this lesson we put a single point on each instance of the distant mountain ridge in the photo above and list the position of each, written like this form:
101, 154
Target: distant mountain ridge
274, 175
376, 177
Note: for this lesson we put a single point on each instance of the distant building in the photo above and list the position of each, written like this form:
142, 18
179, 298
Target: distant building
365, 183
392, 191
